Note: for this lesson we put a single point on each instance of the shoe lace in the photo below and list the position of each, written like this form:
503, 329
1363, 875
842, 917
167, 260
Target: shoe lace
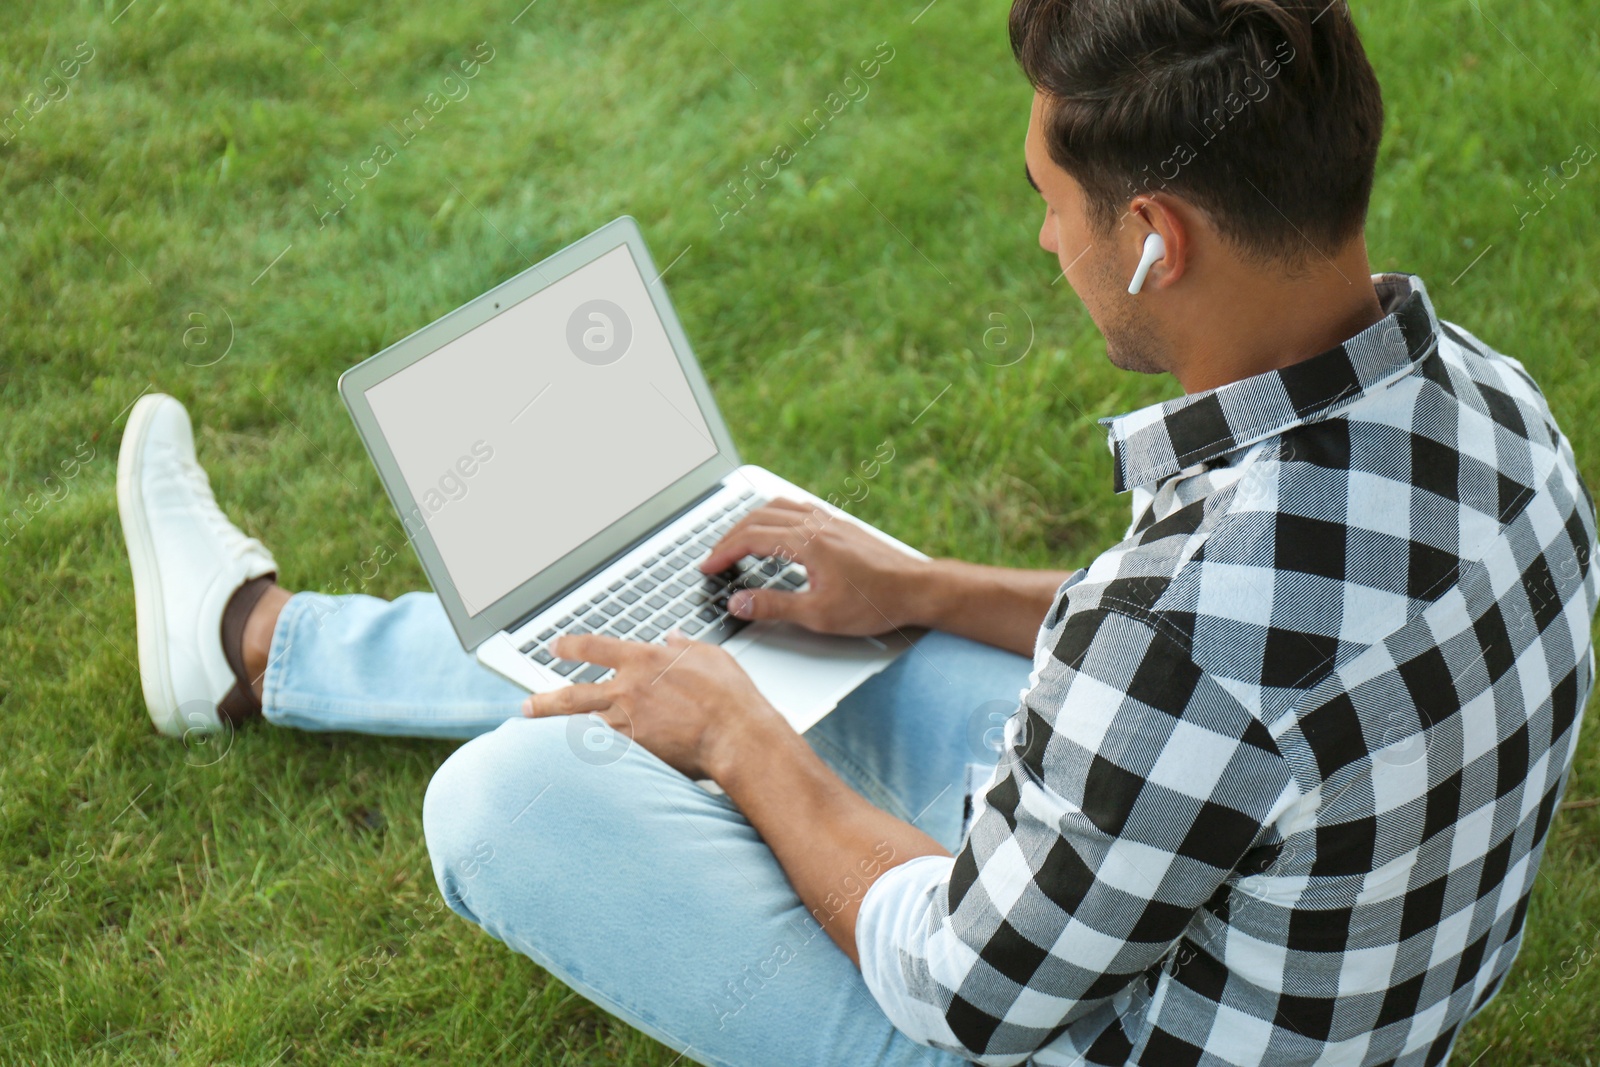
217, 522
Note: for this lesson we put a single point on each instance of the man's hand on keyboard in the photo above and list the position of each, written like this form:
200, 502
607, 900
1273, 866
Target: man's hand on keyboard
856, 584
684, 701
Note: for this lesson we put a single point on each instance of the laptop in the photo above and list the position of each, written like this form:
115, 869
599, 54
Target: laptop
559, 466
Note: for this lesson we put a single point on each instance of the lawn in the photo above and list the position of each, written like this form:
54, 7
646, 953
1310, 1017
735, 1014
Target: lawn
169, 221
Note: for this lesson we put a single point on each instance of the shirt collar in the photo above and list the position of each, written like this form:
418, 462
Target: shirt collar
1156, 442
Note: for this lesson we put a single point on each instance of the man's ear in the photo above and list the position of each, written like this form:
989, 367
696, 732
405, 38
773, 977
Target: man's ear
1154, 213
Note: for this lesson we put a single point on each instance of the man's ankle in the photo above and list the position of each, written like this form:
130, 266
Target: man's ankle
258, 629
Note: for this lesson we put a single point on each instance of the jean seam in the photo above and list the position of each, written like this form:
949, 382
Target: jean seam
884, 798
573, 978
290, 700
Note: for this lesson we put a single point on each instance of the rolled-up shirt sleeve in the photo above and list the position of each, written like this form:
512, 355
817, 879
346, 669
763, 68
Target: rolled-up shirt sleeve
894, 912
1133, 786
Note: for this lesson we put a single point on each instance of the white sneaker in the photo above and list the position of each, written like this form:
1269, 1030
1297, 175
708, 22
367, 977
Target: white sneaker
187, 558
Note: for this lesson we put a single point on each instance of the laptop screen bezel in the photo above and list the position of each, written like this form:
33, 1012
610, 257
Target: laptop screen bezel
475, 627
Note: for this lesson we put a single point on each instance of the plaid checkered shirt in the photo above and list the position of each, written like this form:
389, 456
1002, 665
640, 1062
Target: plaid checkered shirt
1279, 785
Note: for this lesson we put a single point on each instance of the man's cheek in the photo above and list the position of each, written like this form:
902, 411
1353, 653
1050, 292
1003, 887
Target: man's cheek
1072, 247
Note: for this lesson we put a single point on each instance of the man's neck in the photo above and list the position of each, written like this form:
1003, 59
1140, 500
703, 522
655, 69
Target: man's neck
1246, 321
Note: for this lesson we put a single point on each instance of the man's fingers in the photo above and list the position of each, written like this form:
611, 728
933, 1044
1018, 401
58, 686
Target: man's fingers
763, 516
790, 542
785, 504
568, 700
780, 513
595, 648
768, 604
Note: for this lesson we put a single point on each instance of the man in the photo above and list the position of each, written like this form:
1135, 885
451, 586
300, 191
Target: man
1279, 779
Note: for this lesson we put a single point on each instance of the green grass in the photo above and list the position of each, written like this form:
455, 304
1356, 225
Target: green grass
233, 904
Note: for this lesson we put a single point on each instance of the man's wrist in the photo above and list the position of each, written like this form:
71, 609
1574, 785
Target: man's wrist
931, 593
731, 748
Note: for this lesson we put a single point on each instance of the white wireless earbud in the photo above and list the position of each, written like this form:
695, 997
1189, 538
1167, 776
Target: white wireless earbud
1154, 249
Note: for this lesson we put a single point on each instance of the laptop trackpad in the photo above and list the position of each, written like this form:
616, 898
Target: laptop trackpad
806, 674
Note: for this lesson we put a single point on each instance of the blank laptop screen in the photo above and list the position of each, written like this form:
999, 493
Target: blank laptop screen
528, 435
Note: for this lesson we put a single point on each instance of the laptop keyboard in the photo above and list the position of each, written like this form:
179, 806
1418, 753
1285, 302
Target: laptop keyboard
665, 590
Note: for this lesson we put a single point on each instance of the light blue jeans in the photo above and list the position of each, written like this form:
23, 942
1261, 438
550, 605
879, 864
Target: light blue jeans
643, 892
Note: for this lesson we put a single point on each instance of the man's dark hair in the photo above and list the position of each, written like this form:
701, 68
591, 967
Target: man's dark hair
1263, 113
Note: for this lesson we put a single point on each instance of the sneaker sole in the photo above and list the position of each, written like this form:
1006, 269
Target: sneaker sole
155, 674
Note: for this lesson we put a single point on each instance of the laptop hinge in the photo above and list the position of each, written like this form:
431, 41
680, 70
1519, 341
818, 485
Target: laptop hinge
635, 543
